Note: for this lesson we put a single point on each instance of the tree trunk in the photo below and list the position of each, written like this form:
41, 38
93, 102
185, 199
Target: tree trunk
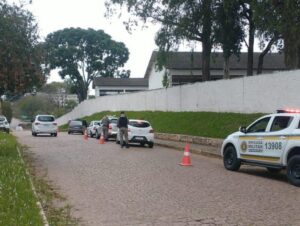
250, 46
292, 51
206, 40
82, 91
264, 52
206, 62
226, 68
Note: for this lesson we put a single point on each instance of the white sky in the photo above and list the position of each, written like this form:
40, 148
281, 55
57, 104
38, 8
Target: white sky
53, 15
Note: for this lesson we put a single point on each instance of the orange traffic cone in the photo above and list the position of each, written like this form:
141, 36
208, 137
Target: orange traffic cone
101, 140
186, 160
85, 136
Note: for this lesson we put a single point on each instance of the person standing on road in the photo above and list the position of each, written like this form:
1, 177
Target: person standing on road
105, 125
123, 129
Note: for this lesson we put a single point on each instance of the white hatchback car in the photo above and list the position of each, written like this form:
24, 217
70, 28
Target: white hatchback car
44, 124
272, 141
140, 132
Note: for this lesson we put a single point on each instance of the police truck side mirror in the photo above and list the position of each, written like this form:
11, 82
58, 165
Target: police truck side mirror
243, 129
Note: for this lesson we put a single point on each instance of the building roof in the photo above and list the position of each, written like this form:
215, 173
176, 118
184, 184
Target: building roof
193, 60
120, 82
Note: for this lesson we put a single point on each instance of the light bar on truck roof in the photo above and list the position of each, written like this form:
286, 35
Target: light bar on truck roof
288, 110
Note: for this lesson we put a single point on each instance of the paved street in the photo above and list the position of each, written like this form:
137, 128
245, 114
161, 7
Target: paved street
111, 186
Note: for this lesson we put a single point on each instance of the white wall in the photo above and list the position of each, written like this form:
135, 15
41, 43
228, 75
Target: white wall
264, 93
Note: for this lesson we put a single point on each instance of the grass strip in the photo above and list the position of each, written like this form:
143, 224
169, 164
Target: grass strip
204, 124
17, 201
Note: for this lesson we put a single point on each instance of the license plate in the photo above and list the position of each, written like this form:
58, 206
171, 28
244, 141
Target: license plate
139, 138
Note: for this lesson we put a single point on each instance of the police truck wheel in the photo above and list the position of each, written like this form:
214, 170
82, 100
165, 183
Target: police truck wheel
273, 170
150, 144
293, 170
230, 159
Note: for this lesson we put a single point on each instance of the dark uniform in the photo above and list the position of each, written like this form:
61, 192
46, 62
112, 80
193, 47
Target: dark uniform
123, 129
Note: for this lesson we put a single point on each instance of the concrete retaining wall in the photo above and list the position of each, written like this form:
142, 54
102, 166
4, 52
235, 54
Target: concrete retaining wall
264, 93
213, 142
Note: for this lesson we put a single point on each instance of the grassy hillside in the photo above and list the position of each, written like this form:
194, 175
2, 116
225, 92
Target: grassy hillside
206, 124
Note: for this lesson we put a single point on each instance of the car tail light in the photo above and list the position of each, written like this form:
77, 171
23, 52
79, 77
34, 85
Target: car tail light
95, 128
54, 123
110, 126
129, 130
37, 123
151, 131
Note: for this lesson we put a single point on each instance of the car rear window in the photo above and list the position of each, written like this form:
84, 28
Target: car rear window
114, 120
76, 123
46, 119
139, 124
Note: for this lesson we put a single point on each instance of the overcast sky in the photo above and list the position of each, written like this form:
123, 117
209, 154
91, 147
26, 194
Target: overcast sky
53, 15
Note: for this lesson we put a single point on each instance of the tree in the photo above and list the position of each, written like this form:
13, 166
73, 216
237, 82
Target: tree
289, 28
269, 36
81, 55
189, 20
20, 56
54, 87
249, 26
228, 30
30, 106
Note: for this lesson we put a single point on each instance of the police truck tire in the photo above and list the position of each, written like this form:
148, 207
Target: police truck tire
150, 144
293, 170
230, 159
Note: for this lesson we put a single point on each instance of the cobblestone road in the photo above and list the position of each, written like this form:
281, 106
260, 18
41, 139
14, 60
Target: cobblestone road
138, 186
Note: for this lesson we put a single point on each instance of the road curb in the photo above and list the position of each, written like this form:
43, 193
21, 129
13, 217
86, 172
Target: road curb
192, 150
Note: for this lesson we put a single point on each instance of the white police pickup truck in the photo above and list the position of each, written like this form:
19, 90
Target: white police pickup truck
272, 141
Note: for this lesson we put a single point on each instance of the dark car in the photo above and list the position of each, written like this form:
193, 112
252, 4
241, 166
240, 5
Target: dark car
77, 126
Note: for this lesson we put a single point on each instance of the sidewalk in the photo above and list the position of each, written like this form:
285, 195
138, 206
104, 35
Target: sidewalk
194, 148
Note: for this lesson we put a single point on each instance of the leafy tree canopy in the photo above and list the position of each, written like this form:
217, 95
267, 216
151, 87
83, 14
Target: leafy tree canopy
190, 20
81, 55
20, 56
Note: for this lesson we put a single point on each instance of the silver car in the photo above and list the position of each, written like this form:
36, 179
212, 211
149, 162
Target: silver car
91, 129
112, 129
